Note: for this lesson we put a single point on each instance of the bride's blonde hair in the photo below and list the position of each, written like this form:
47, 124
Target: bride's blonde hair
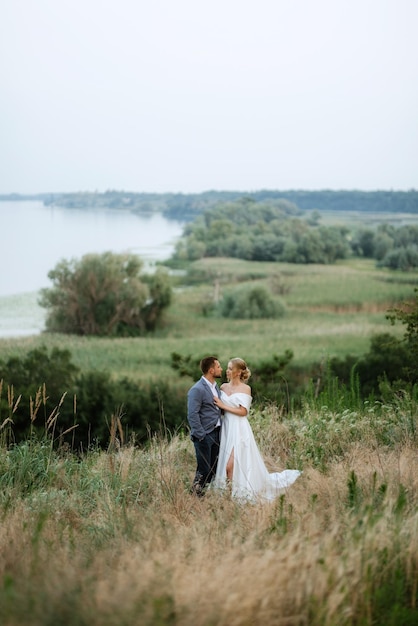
241, 365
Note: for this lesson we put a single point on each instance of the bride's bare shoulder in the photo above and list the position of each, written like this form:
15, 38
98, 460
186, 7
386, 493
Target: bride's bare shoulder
232, 389
243, 388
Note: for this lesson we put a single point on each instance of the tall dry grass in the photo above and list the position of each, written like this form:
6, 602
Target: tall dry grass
115, 538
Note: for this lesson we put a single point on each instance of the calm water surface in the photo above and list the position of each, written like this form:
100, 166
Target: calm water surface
34, 238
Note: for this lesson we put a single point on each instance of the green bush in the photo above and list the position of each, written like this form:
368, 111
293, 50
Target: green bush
388, 362
58, 401
250, 303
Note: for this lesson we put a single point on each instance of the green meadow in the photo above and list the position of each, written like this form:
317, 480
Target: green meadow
329, 311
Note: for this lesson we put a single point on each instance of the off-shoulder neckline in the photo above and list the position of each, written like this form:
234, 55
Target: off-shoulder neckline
237, 393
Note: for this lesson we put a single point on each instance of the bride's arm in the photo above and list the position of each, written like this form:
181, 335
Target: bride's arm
236, 410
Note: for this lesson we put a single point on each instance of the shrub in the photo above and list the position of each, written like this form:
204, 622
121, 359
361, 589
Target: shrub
250, 303
57, 400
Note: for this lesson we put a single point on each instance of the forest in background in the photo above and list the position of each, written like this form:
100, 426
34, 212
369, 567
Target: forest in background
186, 206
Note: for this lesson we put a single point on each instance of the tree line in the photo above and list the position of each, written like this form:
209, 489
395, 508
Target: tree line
278, 231
185, 207
394, 248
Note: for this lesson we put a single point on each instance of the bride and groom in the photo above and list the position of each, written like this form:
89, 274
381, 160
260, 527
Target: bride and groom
226, 451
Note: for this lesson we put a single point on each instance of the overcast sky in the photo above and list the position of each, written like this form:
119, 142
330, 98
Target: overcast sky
188, 96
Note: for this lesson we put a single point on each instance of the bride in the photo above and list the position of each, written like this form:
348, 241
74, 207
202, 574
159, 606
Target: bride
240, 464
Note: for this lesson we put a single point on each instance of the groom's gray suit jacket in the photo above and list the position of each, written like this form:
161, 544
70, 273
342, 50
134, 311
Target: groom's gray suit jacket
202, 413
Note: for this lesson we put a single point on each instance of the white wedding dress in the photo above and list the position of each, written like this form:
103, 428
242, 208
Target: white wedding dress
251, 480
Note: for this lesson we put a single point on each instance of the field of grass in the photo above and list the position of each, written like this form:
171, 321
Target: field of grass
116, 539
330, 311
365, 219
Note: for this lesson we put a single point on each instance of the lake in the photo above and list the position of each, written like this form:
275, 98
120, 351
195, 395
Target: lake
34, 238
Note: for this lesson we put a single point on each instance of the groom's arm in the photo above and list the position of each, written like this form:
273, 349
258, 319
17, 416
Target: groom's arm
194, 404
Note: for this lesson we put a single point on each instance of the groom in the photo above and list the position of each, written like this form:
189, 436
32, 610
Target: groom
204, 418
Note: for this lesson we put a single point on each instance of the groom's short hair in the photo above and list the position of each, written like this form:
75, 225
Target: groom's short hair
207, 363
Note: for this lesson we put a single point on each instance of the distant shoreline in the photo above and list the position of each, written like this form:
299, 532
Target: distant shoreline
187, 206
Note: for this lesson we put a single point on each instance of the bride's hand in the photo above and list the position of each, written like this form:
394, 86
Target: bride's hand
218, 402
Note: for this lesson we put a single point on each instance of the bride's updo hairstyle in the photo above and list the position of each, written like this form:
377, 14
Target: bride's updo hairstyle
241, 366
